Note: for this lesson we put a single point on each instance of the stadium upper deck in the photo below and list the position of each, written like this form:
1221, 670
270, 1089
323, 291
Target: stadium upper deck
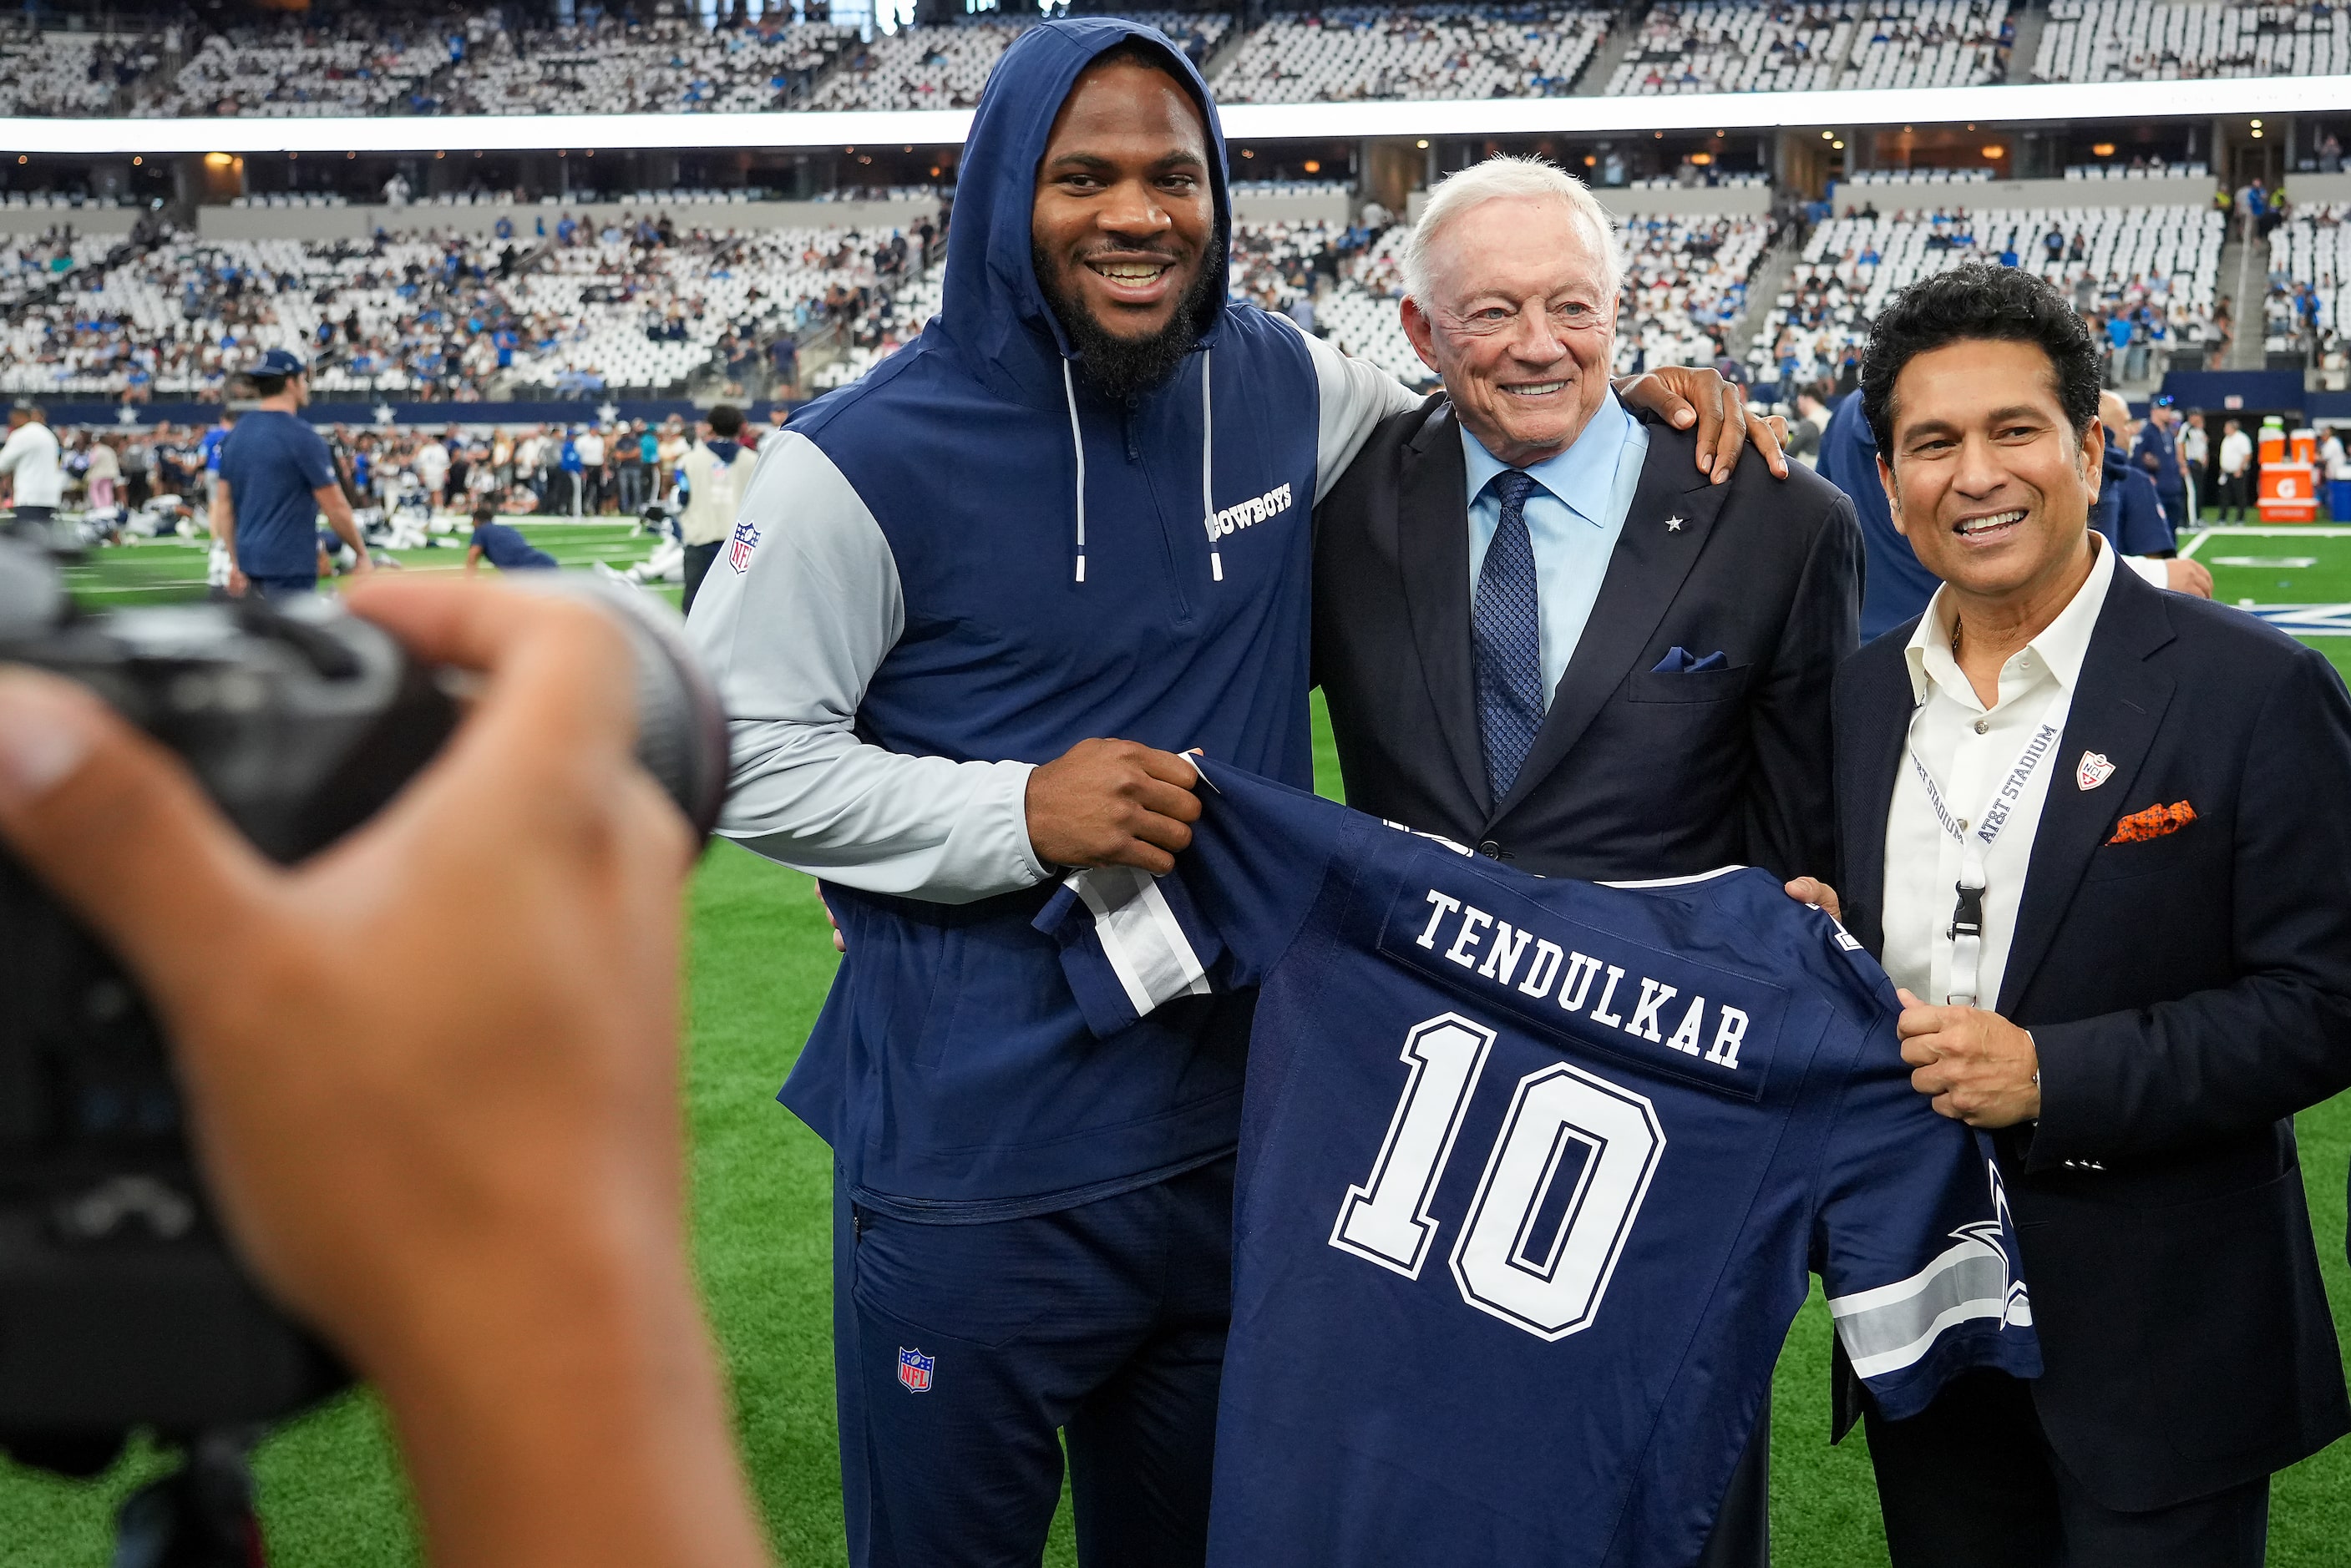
397, 61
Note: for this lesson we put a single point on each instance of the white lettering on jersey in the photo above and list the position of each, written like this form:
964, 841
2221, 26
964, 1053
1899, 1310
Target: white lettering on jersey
1505, 948
1254, 510
1473, 920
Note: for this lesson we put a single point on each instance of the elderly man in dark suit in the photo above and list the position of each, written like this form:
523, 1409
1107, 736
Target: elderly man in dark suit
1543, 631
2095, 832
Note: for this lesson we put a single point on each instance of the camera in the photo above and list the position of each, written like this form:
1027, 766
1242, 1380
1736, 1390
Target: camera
123, 1305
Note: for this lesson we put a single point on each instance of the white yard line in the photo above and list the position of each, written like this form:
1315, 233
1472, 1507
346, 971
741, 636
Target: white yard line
2283, 531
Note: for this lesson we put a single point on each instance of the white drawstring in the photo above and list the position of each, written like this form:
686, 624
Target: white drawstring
1208, 466
1208, 485
1078, 443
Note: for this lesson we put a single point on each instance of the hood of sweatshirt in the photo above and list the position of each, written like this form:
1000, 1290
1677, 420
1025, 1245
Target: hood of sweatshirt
994, 311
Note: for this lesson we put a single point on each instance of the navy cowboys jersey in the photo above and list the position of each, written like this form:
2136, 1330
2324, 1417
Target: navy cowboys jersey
1531, 1173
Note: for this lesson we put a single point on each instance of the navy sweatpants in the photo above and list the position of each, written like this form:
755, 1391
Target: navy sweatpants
962, 1351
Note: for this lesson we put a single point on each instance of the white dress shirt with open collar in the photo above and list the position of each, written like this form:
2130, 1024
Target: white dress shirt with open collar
1969, 749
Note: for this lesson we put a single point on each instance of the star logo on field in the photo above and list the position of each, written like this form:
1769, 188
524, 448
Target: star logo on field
1673, 525
607, 412
383, 413
126, 415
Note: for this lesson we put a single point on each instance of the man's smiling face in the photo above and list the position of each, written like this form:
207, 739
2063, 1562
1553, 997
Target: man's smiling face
1124, 218
1521, 322
1985, 476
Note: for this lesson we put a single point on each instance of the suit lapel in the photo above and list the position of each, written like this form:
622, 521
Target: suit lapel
1433, 546
1868, 763
1644, 573
2117, 711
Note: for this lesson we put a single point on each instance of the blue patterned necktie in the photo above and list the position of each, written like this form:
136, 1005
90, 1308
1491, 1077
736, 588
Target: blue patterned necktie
1506, 633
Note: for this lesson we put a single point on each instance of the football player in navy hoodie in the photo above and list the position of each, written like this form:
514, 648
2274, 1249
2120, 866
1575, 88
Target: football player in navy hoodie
1076, 507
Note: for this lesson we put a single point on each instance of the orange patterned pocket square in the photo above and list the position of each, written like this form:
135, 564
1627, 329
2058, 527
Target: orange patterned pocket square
2152, 823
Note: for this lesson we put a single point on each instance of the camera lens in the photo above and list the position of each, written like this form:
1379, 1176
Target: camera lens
681, 731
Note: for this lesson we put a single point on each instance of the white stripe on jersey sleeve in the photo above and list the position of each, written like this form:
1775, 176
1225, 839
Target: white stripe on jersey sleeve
1893, 1326
1140, 935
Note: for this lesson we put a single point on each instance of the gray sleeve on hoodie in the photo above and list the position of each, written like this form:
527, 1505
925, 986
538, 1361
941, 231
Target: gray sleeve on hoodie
1355, 396
792, 641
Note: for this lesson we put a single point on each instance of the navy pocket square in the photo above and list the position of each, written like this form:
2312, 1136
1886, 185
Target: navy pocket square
1679, 662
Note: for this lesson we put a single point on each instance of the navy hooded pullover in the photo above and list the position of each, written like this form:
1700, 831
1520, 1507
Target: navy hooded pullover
958, 568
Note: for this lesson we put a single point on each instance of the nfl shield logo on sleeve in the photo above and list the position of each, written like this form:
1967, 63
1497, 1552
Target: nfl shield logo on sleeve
745, 540
915, 1370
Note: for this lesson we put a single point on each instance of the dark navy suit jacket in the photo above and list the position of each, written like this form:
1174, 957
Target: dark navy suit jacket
2186, 993
1636, 772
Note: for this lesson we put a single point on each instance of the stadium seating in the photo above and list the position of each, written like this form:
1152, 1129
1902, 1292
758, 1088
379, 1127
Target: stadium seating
1930, 44
288, 71
603, 315
918, 68
1685, 287
945, 67
2167, 258
1348, 53
2168, 40
55, 73
665, 65
1875, 178
1733, 46
2312, 250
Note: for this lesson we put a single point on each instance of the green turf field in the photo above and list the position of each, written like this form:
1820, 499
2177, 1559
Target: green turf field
761, 963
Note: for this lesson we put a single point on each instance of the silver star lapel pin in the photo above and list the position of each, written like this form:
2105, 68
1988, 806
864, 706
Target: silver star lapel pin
1673, 524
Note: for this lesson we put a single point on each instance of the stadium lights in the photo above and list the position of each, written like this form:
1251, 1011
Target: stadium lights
1254, 122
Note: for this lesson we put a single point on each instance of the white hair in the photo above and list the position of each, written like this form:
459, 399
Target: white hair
1505, 177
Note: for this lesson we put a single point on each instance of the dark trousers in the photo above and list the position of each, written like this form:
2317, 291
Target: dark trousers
1972, 1483
1742, 1528
963, 1352
697, 567
279, 588
2236, 495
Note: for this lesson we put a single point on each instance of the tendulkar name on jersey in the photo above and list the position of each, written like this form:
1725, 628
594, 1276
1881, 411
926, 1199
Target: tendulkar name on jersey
1531, 1175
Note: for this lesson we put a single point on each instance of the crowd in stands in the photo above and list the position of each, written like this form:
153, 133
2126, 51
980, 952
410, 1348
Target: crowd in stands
394, 60
629, 303
1931, 44
1685, 287
2309, 285
2142, 278
1734, 45
945, 67
53, 73
2172, 40
406, 62
1347, 53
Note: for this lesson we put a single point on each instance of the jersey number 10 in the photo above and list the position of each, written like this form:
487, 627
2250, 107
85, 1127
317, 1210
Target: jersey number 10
1549, 1285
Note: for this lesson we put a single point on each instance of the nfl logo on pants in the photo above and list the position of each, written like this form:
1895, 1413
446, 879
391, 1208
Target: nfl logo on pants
915, 1370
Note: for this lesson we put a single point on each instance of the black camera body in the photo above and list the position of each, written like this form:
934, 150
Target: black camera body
123, 1305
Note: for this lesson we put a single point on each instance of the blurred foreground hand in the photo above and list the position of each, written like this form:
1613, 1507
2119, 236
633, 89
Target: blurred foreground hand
431, 1074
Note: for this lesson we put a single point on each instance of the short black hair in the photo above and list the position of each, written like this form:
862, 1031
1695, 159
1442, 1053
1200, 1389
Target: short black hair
268, 386
1979, 300
725, 421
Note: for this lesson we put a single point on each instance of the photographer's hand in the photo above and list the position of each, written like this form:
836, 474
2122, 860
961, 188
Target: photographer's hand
433, 1076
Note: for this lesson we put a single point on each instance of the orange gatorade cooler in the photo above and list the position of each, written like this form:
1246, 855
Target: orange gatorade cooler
2289, 492
2272, 445
2305, 445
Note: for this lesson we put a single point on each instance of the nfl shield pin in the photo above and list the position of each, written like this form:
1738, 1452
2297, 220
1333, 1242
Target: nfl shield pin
2093, 770
915, 1370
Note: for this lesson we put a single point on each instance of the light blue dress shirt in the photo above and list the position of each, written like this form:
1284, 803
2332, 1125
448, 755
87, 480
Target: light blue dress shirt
1573, 514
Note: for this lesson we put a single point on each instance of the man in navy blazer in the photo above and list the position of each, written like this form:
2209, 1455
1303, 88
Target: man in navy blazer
2096, 832
1545, 630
